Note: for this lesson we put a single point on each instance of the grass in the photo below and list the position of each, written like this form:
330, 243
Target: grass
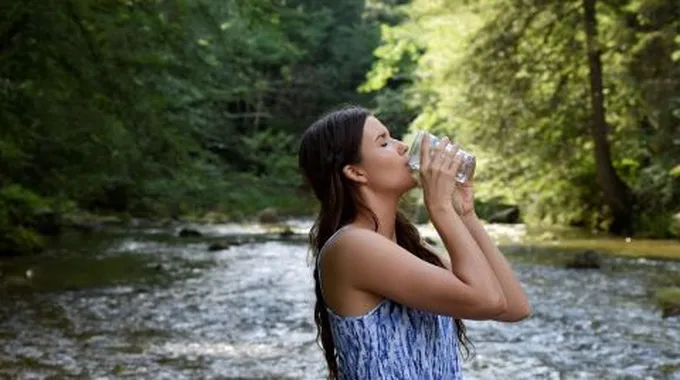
669, 300
633, 248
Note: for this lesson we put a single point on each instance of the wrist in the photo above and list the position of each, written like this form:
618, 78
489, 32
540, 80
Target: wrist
470, 216
439, 208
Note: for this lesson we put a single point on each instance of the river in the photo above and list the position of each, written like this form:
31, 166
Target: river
143, 303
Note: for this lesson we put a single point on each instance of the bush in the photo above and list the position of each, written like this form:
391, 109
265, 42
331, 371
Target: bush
21, 211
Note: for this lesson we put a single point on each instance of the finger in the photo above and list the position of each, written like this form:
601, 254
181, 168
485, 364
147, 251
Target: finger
448, 162
456, 164
439, 155
425, 151
453, 153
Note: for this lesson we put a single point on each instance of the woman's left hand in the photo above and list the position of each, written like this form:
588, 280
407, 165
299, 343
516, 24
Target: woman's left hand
464, 198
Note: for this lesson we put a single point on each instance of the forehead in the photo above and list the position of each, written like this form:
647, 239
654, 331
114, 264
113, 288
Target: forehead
373, 127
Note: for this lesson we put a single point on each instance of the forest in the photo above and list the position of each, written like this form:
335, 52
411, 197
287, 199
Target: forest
192, 109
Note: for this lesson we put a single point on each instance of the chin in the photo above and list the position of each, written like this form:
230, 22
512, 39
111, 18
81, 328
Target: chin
412, 184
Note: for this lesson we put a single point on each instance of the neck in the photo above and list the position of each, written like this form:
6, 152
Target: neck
385, 209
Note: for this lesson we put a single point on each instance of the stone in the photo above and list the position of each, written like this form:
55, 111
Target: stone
286, 232
218, 246
268, 216
509, 215
668, 300
585, 260
189, 232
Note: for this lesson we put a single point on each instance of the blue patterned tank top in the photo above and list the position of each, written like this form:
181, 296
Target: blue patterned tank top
394, 342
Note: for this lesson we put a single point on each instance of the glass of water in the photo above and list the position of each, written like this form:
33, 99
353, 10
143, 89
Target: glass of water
466, 169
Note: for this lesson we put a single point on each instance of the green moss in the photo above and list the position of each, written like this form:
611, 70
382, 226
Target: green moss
669, 296
668, 300
631, 248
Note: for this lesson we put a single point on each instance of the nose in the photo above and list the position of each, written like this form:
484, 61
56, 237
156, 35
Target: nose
401, 147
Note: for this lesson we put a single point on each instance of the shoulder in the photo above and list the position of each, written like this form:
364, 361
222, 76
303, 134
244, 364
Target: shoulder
361, 255
354, 242
354, 249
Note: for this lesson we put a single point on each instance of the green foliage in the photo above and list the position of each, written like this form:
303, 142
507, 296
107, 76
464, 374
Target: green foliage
19, 214
675, 171
184, 107
509, 81
165, 107
272, 154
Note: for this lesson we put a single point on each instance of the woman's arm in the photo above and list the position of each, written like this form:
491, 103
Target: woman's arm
467, 259
517, 304
369, 262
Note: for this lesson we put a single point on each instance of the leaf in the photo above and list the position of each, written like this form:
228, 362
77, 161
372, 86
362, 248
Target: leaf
675, 171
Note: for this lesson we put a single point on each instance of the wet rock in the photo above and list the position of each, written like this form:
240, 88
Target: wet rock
158, 267
509, 215
218, 246
87, 223
48, 223
14, 282
84, 227
670, 311
189, 232
280, 230
585, 260
268, 216
668, 300
286, 232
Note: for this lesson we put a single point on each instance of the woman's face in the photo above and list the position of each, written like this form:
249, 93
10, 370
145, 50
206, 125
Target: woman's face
384, 160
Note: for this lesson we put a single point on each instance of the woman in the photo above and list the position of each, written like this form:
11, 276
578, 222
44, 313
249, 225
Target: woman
387, 306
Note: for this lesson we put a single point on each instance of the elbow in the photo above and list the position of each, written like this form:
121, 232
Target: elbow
524, 312
497, 304
515, 314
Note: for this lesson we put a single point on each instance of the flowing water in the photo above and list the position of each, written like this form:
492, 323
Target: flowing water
144, 304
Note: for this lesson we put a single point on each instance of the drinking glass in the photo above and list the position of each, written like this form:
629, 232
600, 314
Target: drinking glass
466, 169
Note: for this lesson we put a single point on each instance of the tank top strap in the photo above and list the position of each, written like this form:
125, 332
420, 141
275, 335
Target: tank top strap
328, 242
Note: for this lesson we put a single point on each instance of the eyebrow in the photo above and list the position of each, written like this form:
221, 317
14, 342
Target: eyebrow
383, 135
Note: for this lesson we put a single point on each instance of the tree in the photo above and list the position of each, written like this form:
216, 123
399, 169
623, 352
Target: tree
617, 193
569, 124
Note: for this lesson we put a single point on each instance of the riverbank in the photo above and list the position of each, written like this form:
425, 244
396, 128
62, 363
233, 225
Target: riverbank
28, 221
573, 240
567, 239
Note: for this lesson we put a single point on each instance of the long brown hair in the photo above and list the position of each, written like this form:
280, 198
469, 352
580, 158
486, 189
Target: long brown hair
326, 147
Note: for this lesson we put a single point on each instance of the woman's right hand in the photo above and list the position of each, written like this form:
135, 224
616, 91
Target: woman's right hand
438, 173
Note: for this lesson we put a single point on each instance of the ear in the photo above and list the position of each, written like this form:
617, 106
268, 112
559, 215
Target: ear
354, 173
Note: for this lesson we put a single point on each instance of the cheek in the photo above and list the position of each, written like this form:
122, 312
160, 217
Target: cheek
386, 163
384, 166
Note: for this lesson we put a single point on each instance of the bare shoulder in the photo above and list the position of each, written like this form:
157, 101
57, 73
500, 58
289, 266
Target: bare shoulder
365, 262
356, 249
353, 245
358, 253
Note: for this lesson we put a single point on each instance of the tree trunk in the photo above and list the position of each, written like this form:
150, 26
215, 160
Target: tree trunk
617, 194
